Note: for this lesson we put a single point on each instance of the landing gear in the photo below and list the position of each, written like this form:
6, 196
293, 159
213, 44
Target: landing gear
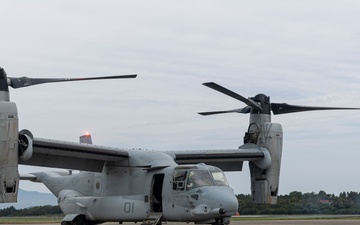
78, 220
222, 221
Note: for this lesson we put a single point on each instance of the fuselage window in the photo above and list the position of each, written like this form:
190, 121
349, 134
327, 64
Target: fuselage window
179, 179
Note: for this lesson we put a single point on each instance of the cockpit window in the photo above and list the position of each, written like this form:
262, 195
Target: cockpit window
219, 178
199, 178
189, 178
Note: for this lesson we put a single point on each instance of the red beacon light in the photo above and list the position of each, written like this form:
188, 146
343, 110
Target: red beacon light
86, 138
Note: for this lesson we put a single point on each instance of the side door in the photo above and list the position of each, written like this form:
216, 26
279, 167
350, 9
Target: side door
156, 191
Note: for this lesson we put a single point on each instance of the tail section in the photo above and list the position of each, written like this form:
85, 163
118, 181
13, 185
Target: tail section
55, 181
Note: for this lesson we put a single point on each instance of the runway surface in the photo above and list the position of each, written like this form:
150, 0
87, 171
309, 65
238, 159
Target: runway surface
282, 222
266, 222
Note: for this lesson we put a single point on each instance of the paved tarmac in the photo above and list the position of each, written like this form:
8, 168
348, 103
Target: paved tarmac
299, 222
273, 222
265, 222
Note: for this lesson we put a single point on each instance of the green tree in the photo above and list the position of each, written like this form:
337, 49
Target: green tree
304, 203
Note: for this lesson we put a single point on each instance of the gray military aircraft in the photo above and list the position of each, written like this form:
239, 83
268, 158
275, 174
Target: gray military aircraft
122, 185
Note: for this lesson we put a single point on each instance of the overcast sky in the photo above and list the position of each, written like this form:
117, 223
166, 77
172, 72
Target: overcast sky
298, 52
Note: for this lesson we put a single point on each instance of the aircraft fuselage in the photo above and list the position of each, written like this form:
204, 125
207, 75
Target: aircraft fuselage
190, 193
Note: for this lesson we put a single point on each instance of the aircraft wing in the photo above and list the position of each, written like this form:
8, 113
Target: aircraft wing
71, 155
80, 156
225, 159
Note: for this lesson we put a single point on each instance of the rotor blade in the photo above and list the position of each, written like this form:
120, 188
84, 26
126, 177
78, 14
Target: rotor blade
19, 82
282, 108
244, 110
226, 91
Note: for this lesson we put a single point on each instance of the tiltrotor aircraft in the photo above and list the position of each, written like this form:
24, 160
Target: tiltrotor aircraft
141, 185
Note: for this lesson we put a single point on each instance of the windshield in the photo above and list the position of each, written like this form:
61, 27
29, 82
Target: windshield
219, 178
193, 178
199, 178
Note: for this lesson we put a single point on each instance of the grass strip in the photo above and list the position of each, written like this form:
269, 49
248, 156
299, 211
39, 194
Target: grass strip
30, 220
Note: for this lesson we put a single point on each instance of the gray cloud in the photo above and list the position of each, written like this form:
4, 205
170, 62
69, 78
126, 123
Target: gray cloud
299, 52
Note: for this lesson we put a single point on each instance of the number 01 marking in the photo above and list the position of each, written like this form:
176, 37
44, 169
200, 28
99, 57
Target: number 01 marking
129, 207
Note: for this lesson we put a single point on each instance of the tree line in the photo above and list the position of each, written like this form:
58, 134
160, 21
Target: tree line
32, 211
304, 203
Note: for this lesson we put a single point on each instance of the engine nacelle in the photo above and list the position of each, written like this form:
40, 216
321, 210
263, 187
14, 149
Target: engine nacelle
265, 182
25, 145
9, 175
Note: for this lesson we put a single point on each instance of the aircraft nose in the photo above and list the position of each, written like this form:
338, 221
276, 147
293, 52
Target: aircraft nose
217, 202
226, 202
